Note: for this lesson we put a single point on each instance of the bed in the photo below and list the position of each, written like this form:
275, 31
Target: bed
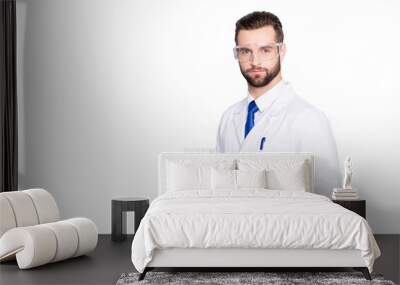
247, 210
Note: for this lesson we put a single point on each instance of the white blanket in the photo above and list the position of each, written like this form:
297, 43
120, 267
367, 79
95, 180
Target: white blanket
250, 218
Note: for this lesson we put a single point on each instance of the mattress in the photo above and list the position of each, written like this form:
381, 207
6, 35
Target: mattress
250, 218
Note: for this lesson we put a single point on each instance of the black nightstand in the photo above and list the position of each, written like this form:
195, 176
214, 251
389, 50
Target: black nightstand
119, 207
357, 206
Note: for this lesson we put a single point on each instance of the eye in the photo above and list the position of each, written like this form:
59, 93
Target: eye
244, 51
266, 49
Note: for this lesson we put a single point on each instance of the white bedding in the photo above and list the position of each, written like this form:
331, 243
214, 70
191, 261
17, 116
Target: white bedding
250, 218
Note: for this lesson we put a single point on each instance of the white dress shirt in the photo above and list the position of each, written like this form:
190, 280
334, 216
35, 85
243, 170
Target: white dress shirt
264, 101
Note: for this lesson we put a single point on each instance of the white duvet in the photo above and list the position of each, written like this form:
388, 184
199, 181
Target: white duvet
250, 218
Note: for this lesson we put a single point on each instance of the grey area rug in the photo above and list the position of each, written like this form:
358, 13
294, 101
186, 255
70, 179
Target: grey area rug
273, 278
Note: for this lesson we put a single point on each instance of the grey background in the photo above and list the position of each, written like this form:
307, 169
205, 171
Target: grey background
104, 86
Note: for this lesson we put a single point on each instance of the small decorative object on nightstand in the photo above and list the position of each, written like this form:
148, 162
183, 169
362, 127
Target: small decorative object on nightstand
347, 192
119, 207
348, 173
357, 206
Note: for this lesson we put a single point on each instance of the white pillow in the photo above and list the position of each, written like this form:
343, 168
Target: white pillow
251, 178
188, 177
193, 173
282, 174
223, 179
287, 179
237, 179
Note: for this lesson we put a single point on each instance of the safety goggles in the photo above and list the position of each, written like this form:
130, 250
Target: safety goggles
264, 52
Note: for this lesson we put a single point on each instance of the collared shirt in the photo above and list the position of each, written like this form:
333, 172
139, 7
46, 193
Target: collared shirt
265, 101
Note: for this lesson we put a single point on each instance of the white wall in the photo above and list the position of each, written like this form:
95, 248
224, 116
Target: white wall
104, 86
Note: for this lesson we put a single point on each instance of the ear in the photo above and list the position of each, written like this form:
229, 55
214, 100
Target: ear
282, 51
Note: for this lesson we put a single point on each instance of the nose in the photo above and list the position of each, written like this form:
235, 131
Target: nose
254, 59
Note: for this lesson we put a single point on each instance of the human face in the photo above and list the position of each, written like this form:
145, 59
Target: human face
256, 71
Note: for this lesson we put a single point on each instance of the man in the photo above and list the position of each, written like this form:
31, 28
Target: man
273, 118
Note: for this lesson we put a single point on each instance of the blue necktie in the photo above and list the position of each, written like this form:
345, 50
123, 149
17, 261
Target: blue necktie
250, 117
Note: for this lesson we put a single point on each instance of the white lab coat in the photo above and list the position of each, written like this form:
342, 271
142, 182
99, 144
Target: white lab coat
289, 124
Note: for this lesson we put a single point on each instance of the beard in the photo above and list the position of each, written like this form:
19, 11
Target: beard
258, 80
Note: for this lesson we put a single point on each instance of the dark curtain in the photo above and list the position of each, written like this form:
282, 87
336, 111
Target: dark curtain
8, 97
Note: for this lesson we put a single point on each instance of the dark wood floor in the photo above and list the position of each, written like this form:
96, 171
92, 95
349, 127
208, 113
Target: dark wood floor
111, 259
102, 266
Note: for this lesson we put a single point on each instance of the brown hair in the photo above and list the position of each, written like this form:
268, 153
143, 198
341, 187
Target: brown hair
258, 20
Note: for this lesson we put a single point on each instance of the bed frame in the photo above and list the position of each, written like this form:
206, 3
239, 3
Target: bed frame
237, 259
248, 259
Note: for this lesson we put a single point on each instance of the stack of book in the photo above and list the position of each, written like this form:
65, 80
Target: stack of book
344, 194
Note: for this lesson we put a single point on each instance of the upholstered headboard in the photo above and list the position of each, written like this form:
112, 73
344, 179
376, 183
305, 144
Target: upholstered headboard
166, 157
